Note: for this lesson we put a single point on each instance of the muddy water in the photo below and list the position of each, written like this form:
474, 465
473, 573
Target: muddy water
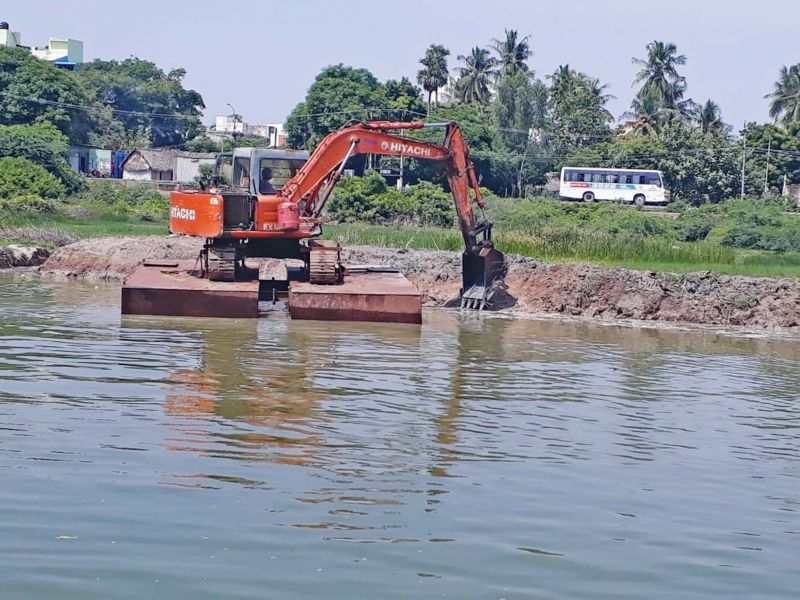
469, 458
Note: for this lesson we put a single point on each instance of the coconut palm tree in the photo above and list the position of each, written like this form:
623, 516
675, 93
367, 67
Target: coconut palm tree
599, 90
784, 105
434, 73
659, 74
563, 83
475, 78
709, 119
512, 52
647, 115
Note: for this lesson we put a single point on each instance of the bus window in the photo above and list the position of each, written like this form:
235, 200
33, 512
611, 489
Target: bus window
654, 179
612, 178
628, 178
580, 177
597, 178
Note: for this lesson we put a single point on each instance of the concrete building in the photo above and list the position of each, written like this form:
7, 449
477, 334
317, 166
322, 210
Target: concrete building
232, 125
65, 53
164, 165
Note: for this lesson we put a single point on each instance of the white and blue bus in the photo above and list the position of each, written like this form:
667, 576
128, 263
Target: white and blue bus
632, 186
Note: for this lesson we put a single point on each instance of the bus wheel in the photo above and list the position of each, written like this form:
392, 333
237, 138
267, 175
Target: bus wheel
638, 200
588, 197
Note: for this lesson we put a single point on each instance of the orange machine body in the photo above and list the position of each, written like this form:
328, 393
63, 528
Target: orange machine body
196, 213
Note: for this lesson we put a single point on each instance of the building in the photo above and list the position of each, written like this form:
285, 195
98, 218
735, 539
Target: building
226, 126
164, 165
89, 160
65, 53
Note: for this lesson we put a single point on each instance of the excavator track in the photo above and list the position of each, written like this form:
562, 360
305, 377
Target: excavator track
324, 263
221, 270
222, 265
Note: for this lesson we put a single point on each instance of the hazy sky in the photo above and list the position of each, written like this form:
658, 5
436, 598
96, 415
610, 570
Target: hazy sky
261, 56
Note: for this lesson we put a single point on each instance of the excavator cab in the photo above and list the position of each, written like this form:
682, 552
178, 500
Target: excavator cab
248, 165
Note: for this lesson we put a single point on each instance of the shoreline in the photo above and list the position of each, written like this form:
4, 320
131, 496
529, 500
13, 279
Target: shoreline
532, 288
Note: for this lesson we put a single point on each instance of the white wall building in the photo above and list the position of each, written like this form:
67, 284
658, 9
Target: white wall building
233, 124
65, 53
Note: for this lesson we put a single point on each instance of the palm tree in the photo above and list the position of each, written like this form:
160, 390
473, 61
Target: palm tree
563, 83
476, 76
434, 73
784, 105
599, 91
709, 119
512, 53
647, 115
659, 74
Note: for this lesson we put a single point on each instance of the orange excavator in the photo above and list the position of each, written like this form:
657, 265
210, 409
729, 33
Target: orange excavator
254, 219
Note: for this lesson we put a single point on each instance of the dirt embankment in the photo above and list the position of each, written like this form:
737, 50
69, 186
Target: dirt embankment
22, 256
531, 286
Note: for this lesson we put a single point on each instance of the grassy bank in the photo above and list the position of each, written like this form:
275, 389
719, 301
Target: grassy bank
644, 254
749, 237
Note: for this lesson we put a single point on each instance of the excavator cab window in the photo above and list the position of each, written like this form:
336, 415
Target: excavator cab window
241, 172
283, 169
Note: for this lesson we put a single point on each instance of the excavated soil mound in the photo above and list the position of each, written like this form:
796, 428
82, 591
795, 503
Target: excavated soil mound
117, 257
530, 286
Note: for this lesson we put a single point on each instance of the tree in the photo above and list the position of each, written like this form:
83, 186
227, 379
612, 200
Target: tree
577, 109
520, 107
476, 77
144, 98
659, 73
35, 91
646, 116
512, 52
403, 99
784, 160
339, 93
709, 119
784, 105
699, 168
434, 74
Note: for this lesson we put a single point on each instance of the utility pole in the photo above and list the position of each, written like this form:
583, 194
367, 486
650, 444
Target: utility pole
766, 169
744, 154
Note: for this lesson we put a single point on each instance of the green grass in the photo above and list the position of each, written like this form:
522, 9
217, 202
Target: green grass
94, 226
648, 253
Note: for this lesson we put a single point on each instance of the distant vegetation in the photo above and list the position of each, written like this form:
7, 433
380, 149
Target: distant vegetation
521, 126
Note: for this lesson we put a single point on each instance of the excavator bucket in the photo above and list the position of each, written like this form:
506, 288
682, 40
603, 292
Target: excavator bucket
481, 275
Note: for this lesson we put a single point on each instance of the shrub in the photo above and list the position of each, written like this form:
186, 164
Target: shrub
115, 193
20, 176
695, 227
42, 144
370, 200
29, 203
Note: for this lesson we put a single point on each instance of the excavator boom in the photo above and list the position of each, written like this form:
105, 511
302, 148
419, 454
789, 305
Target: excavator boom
483, 266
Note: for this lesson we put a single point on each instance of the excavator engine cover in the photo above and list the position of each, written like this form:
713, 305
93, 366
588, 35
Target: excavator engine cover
479, 273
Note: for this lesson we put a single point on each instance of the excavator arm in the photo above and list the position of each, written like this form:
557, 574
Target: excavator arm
310, 188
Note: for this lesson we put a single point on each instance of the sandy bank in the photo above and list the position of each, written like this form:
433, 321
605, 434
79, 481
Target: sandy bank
532, 287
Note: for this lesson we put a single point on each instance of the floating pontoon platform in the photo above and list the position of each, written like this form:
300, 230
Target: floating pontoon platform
174, 288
